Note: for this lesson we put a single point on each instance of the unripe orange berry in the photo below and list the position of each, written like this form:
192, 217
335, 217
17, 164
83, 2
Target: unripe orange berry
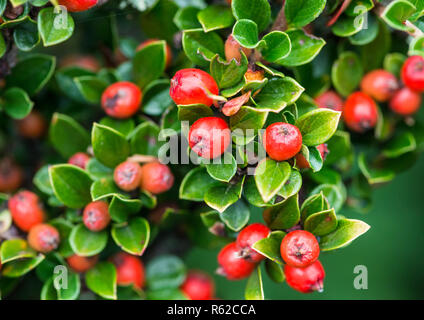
26, 210
43, 238
82, 264
156, 178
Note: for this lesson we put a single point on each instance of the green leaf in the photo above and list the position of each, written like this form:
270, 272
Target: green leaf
18, 268
222, 196
215, 17
347, 26
366, 35
124, 126
144, 139
16, 103
42, 180
109, 146
224, 169
72, 290
400, 145
26, 35
186, 18
91, 88
276, 46
102, 280
299, 13
318, 126
197, 44
193, 112
270, 246
87, 243
15, 249
332, 193
132, 237
64, 227
321, 223
397, 12
247, 118
347, 231
346, 73
277, 94
228, 74
71, 185
104, 188
275, 271
32, 73
254, 288
283, 215
120, 208
313, 204
2, 46
67, 136
165, 272
393, 63
292, 185
373, 175
97, 171
48, 291
54, 27
236, 216
156, 98
270, 176
251, 193
149, 63
5, 221
195, 184
258, 11
246, 33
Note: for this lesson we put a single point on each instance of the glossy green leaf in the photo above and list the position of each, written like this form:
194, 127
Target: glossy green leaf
270, 246
120, 208
215, 17
299, 13
197, 44
228, 74
91, 88
346, 73
222, 196
87, 243
133, 236
195, 184
270, 176
258, 11
347, 231
222, 169
254, 288
283, 215
15, 249
397, 12
54, 27
102, 280
236, 216
292, 185
149, 63
321, 223
16, 103
165, 272
144, 139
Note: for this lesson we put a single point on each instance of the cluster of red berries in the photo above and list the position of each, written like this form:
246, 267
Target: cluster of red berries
299, 250
360, 111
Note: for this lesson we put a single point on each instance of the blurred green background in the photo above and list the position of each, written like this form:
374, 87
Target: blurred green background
392, 251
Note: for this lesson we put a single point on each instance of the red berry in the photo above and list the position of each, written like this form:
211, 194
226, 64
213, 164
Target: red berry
233, 48
43, 238
360, 112
248, 237
198, 286
32, 126
79, 159
78, 5
82, 264
413, 73
127, 175
330, 100
282, 141
168, 52
209, 137
129, 270
307, 279
192, 86
11, 176
299, 248
379, 84
121, 99
96, 215
82, 61
26, 210
232, 264
156, 178
301, 162
405, 102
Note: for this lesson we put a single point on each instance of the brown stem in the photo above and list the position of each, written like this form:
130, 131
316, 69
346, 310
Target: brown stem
339, 12
280, 23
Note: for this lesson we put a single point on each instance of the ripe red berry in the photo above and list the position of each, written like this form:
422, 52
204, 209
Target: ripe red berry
198, 286
301, 162
233, 48
82, 264
360, 112
209, 137
307, 279
32, 126
299, 248
168, 52
156, 178
11, 176
330, 100
43, 238
380, 85
232, 264
129, 270
82, 61
79, 159
248, 237
127, 175
26, 210
78, 5
282, 141
121, 100
96, 215
192, 86
413, 73
405, 102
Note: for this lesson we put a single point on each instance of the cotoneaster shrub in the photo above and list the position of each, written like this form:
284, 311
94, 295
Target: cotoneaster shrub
186, 120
